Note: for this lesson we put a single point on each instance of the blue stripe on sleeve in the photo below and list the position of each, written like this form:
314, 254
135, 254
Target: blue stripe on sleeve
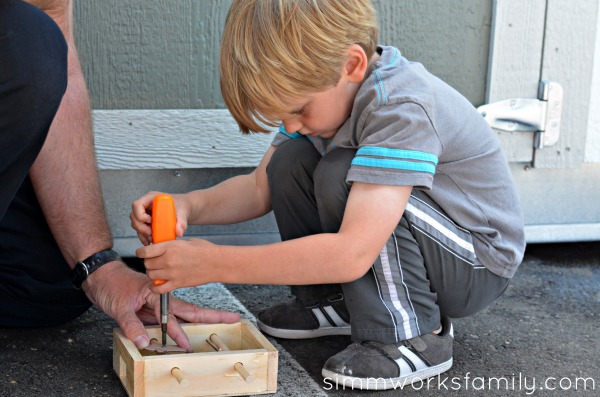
395, 57
397, 153
394, 164
289, 135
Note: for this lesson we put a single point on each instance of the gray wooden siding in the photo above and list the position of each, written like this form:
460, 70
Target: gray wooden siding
155, 54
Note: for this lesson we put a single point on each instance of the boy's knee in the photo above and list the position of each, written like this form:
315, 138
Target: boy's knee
293, 160
331, 189
330, 175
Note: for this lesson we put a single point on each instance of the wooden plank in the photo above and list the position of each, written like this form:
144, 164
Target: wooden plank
127, 364
174, 139
209, 374
568, 59
252, 337
516, 49
592, 145
574, 232
121, 363
249, 332
514, 66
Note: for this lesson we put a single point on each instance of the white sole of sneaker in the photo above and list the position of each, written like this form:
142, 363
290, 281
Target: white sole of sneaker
383, 383
303, 334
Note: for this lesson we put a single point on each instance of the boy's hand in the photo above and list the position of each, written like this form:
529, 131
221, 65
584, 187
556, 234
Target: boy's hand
141, 216
182, 263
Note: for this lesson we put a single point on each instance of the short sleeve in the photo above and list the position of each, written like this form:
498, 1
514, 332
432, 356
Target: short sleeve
397, 145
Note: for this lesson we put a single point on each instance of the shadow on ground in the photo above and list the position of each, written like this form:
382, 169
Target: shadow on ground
541, 334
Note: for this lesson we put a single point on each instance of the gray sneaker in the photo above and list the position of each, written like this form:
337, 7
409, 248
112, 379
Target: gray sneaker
377, 366
295, 320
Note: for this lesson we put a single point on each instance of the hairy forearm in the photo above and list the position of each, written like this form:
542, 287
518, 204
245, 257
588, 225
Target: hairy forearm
64, 175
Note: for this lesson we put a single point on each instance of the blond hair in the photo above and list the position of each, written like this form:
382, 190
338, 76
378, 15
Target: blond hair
275, 50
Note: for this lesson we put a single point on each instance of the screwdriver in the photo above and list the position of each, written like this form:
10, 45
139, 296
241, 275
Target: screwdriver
163, 229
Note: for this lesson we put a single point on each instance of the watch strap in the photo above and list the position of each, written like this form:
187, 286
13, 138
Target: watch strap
90, 264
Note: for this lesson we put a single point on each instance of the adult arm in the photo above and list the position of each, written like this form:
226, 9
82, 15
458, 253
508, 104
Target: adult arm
66, 183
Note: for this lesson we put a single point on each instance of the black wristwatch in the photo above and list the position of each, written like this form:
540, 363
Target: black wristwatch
83, 269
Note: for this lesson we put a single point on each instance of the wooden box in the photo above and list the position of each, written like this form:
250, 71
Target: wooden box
204, 372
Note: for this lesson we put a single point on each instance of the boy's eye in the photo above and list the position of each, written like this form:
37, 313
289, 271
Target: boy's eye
298, 112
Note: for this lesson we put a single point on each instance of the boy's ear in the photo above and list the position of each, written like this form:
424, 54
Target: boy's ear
356, 63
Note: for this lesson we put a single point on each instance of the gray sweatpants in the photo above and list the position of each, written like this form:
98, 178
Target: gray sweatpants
426, 269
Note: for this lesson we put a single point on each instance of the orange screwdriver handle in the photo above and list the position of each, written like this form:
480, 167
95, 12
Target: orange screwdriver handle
164, 220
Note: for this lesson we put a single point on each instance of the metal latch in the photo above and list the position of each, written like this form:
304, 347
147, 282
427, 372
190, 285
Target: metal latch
541, 116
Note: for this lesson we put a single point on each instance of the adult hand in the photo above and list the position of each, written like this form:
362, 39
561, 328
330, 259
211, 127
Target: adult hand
125, 295
141, 215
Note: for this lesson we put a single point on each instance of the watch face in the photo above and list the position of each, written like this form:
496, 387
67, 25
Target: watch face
80, 273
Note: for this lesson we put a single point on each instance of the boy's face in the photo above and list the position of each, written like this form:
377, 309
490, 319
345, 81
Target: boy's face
323, 113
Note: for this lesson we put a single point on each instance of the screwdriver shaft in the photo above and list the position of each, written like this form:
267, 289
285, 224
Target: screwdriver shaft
164, 316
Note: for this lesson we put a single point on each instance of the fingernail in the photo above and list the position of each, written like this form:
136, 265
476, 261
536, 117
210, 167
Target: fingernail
141, 342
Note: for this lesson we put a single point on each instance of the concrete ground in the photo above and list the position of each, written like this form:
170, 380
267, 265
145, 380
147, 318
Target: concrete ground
539, 339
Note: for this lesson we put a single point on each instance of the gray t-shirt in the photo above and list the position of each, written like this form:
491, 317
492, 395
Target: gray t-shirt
412, 129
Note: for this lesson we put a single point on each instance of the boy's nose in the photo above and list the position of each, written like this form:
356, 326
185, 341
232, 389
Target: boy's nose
292, 125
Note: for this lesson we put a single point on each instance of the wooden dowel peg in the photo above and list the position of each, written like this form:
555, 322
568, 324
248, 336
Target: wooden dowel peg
239, 367
178, 375
217, 343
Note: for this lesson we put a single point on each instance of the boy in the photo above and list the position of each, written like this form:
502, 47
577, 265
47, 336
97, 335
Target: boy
391, 194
